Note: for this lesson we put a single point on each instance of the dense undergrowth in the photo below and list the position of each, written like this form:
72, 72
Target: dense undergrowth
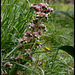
15, 15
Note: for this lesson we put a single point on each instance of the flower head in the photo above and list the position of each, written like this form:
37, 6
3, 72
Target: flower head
36, 34
21, 39
46, 15
7, 64
29, 34
42, 26
52, 10
38, 43
31, 25
40, 32
43, 5
40, 14
49, 9
35, 6
35, 20
28, 51
40, 63
26, 39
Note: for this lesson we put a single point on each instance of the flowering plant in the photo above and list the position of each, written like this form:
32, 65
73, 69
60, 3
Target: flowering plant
30, 41
36, 27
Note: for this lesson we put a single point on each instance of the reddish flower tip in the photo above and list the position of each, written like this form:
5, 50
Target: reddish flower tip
26, 39
35, 20
40, 32
42, 26
28, 51
40, 14
38, 43
29, 34
40, 63
17, 58
31, 25
7, 64
36, 34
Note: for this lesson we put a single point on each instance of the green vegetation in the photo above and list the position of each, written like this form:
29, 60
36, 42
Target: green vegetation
15, 15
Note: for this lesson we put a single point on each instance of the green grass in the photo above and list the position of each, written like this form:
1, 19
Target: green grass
15, 15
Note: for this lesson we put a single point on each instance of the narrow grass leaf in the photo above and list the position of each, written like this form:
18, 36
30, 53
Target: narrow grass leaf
65, 13
11, 52
41, 70
24, 67
65, 38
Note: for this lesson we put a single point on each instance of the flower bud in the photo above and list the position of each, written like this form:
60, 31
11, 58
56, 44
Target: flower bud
35, 20
52, 10
42, 26
31, 24
38, 43
40, 63
40, 14
17, 58
43, 5
40, 32
26, 39
28, 51
29, 34
36, 34
21, 40
7, 64
35, 7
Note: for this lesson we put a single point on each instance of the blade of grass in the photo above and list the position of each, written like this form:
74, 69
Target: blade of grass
57, 34
65, 38
24, 67
11, 52
41, 70
65, 13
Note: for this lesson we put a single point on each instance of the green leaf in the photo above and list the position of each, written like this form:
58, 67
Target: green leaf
41, 70
65, 13
11, 52
68, 49
65, 38
20, 65
13, 72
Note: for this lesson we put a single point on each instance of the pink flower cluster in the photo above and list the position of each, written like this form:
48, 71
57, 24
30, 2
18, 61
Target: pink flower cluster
26, 39
42, 10
7, 64
36, 27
